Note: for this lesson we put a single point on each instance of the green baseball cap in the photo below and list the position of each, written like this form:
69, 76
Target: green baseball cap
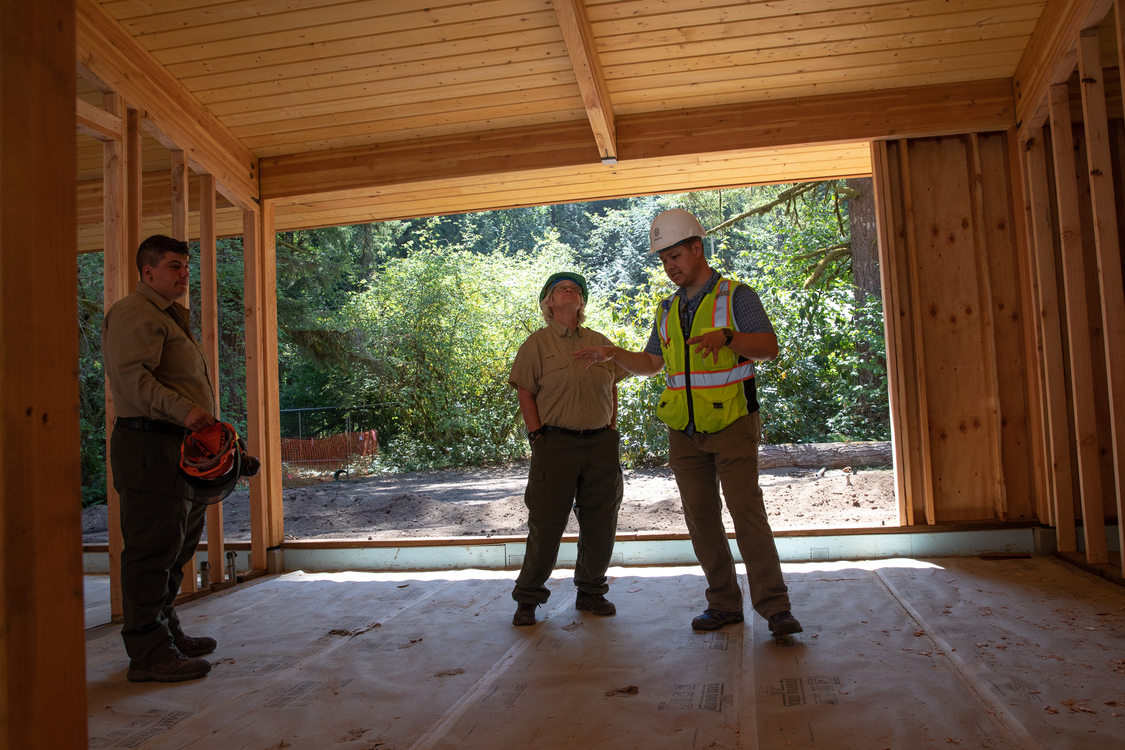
564, 276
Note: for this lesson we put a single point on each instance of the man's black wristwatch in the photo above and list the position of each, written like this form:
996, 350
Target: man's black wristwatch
536, 433
729, 334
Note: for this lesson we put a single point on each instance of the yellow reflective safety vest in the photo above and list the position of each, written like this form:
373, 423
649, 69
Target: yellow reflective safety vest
699, 389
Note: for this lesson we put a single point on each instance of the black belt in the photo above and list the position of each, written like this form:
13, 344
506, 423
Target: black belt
582, 433
144, 424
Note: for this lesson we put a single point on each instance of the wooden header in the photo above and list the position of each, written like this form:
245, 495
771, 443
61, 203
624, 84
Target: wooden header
929, 110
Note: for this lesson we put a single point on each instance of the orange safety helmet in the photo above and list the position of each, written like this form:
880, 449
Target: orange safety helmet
212, 460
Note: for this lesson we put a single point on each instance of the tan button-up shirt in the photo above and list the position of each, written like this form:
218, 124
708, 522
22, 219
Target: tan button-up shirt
567, 393
156, 368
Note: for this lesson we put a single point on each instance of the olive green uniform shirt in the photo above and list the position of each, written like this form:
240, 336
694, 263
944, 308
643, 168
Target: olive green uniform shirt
156, 368
567, 393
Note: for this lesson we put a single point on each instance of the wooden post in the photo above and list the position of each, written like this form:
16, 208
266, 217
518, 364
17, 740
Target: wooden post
134, 182
910, 245
209, 335
893, 288
179, 210
1050, 338
118, 274
1108, 246
42, 646
1078, 328
262, 416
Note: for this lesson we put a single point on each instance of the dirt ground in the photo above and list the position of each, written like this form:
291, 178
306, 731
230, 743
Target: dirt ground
489, 502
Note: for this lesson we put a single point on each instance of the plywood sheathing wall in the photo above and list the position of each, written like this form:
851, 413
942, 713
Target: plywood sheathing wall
955, 325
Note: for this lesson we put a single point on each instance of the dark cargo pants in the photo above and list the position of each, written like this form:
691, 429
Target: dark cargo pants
161, 529
567, 471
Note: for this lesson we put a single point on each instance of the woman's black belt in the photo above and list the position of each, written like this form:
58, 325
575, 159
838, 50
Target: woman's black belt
583, 433
144, 424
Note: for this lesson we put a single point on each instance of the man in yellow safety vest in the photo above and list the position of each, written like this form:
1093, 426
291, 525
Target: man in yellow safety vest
706, 337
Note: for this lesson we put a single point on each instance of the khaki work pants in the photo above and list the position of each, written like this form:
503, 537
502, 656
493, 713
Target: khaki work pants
729, 458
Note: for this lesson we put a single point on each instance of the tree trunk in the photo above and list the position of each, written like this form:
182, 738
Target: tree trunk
865, 243
825, 455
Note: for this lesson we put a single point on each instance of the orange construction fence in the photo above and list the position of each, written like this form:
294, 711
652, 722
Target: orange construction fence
330, 449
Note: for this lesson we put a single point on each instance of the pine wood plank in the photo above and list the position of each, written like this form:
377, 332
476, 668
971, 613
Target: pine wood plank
1039, 494
1050, 340
118, 274
441, 104
991, 216
238, 64
209, 338
1108, 246
536, 66
42, 648
885, 48
805, 28
196, 44
926, 489
952, 335
902, 406
1074, 281
262, 417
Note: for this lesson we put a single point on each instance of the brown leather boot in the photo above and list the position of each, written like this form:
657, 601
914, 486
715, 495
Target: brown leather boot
169, 666
189, 646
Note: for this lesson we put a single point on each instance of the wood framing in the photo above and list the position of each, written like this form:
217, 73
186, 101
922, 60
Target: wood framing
575, 27
1050, 56
1077, 323
1107, 244
262, 415
209, 338
115, 58
42, 648
1050, 350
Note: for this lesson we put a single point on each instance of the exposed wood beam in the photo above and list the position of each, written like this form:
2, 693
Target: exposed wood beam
109, 53
580, 45
98, 123
925, 111
1051, 55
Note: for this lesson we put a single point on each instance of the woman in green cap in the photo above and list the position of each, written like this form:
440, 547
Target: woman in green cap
570, 410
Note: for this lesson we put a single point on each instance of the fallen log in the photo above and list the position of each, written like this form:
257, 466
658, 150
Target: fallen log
825, 455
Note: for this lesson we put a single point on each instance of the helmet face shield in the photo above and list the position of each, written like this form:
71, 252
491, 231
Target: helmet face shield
212, 460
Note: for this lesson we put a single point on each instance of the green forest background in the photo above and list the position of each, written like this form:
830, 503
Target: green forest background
410, 327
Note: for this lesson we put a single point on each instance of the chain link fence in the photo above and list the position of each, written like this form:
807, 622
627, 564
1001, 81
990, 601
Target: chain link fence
326, 443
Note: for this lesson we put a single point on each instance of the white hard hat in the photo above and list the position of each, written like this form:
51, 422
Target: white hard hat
672, 227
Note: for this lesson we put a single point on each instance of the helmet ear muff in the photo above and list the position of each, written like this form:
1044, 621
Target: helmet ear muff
212, 460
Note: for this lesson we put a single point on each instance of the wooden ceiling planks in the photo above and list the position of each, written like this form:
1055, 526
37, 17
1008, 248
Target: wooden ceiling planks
304, 83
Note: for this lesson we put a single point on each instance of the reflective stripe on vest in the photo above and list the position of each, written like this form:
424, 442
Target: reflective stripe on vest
714, 397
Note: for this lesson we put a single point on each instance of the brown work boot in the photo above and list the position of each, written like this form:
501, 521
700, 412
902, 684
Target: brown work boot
595, 603
169, 666
525, 614
189, 646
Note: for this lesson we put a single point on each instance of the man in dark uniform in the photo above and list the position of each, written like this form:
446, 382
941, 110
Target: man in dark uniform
161, 391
